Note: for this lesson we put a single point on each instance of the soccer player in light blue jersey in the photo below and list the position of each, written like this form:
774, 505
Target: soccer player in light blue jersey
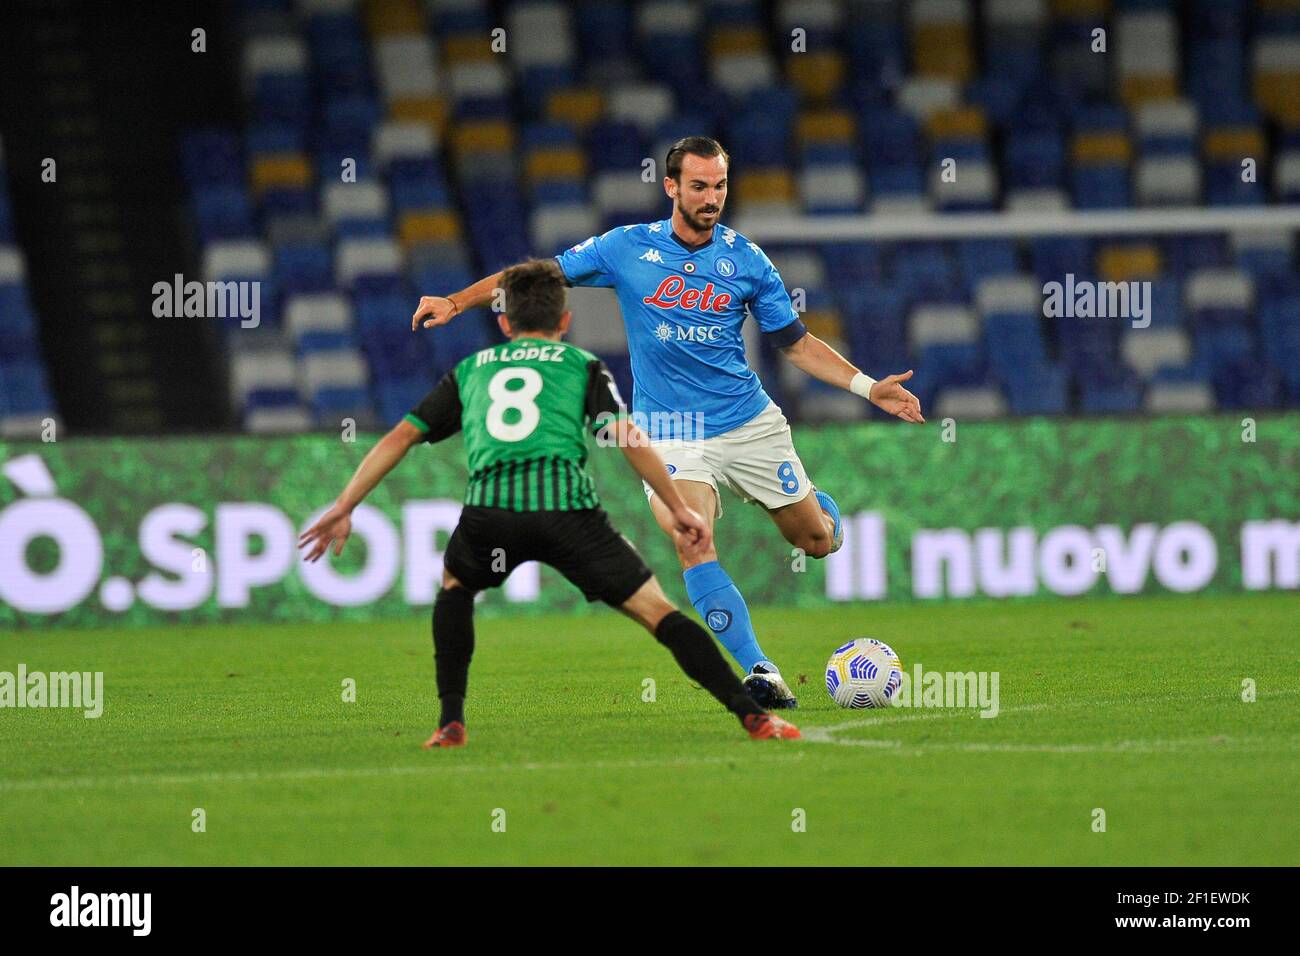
685, 285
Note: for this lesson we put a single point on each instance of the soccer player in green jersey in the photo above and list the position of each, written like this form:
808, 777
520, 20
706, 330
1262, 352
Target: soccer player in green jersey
525, 408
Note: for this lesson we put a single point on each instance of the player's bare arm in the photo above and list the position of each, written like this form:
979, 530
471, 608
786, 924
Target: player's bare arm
336, 524
810, 354
695, 533
441, 309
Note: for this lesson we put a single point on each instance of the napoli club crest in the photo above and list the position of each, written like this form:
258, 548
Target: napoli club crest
726, 268
718, 620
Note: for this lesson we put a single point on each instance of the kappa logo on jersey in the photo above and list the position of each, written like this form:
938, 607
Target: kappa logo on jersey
651, 255
729, 237
583, 245
673, 294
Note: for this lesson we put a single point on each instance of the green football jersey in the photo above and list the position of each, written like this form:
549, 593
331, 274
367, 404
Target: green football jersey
525, 407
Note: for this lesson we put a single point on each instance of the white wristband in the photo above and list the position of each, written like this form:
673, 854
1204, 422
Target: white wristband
861, 385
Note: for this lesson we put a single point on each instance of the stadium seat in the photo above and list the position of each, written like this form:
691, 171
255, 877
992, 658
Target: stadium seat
467, 160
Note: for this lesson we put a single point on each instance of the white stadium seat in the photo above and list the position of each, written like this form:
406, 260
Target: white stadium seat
824, 187
1003, 294
646, 104
555, 227
278, 421
941, 325
1220, 289
968, 403
1168, 180
235, 259
273, 55
406, 66
337, 368
364, 199
800, 268
355, 257
317, 312
395, 140
13, 268
1147, 350
540, 35
1180, 397
268, 368
625, 191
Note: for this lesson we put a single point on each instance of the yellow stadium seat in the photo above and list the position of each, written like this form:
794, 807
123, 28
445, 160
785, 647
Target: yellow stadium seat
1233, 143
825, 126
1129, 262
1275, 93
431, 110
1137, 89
943, 50
1101, 148
1080, 9
577, 107
965, 122
482, 136
817, 76
555, 162
280, 171
428, 225
393, 17
467, 48
730, 40
765, 184
824, 323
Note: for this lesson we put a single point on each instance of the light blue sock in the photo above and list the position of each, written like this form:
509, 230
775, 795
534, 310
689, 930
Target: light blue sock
716, 599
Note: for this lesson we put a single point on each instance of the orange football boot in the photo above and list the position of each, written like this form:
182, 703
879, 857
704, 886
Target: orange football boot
453, 735
771, 727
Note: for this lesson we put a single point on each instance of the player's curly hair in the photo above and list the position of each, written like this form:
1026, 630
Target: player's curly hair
535, 294
693, 146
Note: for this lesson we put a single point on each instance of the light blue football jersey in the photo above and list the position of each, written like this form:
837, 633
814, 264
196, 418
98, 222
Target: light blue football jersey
684, 310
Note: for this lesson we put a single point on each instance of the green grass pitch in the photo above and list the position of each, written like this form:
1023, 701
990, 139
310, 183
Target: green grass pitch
1133, 706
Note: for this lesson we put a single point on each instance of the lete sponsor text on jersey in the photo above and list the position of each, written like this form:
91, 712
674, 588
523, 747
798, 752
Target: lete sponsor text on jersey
673, 294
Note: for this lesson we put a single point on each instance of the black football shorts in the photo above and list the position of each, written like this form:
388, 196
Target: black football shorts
489, 543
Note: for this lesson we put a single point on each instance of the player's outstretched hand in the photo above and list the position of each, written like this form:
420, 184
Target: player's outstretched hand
334, 527
691, 529
435, 310
890, 395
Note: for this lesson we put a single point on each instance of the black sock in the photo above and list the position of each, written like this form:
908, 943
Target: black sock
703, 663
453, 646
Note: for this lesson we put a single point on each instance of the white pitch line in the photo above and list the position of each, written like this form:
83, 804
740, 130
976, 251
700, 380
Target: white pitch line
1226, 744
433, 769
823, 734
898, 715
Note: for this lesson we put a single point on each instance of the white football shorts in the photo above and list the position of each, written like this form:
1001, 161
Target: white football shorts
755, 460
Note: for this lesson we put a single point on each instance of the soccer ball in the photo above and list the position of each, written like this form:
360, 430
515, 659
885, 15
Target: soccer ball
864, 673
